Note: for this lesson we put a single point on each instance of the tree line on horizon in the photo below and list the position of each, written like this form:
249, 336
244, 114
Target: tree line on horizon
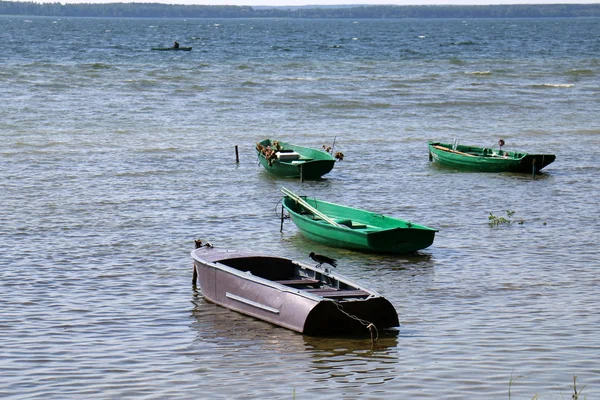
159, 10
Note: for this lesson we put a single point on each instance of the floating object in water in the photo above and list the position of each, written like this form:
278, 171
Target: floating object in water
352, 228
292, 161
484, 159
291, 294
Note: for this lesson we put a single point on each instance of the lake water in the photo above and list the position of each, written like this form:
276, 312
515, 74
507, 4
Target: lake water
114, 158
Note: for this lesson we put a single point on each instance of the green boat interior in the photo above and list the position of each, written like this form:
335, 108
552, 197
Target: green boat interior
351, 224
340, 221
480, 151
292, 156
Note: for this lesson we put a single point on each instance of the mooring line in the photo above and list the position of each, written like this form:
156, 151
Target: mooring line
370, 326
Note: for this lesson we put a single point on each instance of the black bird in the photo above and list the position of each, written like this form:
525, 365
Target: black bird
321, 259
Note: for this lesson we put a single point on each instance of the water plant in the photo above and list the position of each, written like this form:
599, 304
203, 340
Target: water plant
574, 396
512, 380
576, 393
495, 220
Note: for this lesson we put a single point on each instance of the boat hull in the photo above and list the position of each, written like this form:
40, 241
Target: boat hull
483, 159
311, 163
359, 229
289, 307
172, 49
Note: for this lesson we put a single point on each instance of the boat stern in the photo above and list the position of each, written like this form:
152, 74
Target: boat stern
535, 162
350, 317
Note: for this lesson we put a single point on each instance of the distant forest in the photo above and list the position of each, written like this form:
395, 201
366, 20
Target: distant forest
158, 10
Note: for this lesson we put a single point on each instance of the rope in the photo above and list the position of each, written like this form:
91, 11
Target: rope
277, 213
370, 326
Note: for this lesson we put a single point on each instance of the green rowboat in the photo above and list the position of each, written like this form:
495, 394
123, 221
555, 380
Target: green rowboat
486, 159
351, 228
172, 48
290, 161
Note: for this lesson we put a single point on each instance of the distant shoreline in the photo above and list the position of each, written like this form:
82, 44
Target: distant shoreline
159, 10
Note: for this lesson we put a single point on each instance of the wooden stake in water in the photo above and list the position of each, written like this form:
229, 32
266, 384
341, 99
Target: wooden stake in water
237, 156
281, 227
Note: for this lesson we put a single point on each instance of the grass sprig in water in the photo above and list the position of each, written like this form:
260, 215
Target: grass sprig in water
574, 396
576, 392
494, 220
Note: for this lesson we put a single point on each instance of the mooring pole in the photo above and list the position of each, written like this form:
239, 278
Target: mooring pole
533, 168
281, 227
237, 156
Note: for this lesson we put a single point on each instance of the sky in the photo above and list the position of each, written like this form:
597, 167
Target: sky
327, 2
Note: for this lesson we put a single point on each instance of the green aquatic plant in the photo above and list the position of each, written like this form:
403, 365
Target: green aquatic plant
512, 380
576, 393
495, 220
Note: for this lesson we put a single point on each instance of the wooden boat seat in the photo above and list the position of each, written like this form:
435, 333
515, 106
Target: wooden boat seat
301, 160
333, 293
298, 282
288, 155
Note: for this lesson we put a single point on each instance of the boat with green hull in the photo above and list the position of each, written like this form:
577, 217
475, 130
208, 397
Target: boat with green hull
291, 161
485, 159
351, 228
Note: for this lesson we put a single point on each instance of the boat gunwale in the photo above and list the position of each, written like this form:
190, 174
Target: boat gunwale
183, 48
280, 286
327, 157
509, 155
370, 227
486, 159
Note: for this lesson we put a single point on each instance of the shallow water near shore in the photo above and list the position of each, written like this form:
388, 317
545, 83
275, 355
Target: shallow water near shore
115, 158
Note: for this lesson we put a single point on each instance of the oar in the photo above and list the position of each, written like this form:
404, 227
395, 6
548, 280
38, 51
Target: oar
453, 151
311, 208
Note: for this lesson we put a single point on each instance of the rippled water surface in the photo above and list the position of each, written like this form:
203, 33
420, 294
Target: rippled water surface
114, 158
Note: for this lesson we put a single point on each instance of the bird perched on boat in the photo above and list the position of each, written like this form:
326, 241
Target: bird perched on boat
321, 259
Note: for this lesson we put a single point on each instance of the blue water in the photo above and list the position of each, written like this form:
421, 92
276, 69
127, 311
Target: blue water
114, 158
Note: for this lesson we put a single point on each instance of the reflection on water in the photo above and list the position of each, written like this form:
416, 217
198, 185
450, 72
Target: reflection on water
234, 336
350, 360
216, 323
221, 326
353, 345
